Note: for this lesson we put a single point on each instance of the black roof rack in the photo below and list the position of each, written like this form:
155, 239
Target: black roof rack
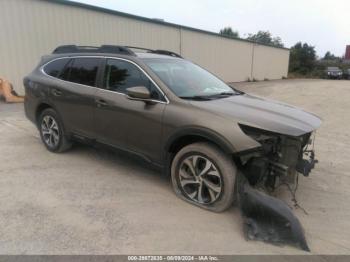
166, 52
115, 49
158, 51
93, 49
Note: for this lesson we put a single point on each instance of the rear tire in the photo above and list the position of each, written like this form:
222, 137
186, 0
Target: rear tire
52, 132
204, 175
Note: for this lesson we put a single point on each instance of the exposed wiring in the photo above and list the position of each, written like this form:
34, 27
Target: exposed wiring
293, 193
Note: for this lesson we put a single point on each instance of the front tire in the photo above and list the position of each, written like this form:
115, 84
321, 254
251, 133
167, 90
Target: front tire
52, 131
204, 175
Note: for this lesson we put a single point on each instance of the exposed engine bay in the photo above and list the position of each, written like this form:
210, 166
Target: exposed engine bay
277, 162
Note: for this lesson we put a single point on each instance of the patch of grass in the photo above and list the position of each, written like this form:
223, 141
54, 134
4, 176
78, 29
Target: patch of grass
315, 74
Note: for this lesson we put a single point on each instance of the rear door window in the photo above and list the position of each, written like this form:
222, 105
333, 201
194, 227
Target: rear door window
82, 71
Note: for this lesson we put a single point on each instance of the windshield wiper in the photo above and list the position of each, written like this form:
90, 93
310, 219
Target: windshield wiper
196, 97
224, 94
212, 96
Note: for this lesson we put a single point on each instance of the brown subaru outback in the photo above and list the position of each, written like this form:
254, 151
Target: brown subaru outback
172, 113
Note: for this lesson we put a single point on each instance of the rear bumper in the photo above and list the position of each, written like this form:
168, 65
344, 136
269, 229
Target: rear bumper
29, 111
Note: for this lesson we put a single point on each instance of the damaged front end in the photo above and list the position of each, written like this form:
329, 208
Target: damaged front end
277, 162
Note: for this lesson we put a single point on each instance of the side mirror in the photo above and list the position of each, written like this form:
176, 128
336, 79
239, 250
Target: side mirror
138, 93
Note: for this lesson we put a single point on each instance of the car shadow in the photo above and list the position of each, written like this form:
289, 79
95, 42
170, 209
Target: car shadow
134, 166
118, 158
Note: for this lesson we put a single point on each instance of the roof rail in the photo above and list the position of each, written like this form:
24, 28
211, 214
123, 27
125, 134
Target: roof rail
116, 49
166, 52
158, 51
93, 49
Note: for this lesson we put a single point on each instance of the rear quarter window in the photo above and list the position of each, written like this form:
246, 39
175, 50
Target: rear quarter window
55, 67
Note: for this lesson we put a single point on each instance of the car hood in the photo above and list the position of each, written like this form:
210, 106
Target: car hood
263, 113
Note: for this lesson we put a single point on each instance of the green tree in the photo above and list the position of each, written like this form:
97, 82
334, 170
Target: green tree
302, 58
227, 31
265, 37
330, 56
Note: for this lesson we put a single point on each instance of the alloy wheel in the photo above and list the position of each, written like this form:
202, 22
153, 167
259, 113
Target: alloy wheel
50, 131
200, 180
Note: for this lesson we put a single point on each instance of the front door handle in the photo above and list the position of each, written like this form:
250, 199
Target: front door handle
101, 103
56, 92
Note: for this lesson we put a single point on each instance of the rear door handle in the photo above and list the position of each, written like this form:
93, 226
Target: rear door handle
56, 92
101, 103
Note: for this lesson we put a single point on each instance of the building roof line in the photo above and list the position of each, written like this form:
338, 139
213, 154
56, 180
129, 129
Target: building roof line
154, 21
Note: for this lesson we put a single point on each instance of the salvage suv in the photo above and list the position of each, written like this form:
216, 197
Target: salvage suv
172, 113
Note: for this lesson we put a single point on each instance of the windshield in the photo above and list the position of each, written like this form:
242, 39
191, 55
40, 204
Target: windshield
333, 69
188, 80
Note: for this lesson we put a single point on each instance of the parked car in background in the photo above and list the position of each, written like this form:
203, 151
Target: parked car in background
334, 72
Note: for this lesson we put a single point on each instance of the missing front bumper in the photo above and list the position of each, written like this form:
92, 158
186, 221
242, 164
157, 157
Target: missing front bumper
267, 218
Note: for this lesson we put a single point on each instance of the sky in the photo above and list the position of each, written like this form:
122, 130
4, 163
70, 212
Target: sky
324, 24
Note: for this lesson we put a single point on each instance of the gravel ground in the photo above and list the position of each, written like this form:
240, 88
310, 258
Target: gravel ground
92, 201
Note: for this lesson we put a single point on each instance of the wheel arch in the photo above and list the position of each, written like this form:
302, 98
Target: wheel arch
41, 107
188, 136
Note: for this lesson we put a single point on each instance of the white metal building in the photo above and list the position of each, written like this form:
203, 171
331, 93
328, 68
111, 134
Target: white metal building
32, 28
